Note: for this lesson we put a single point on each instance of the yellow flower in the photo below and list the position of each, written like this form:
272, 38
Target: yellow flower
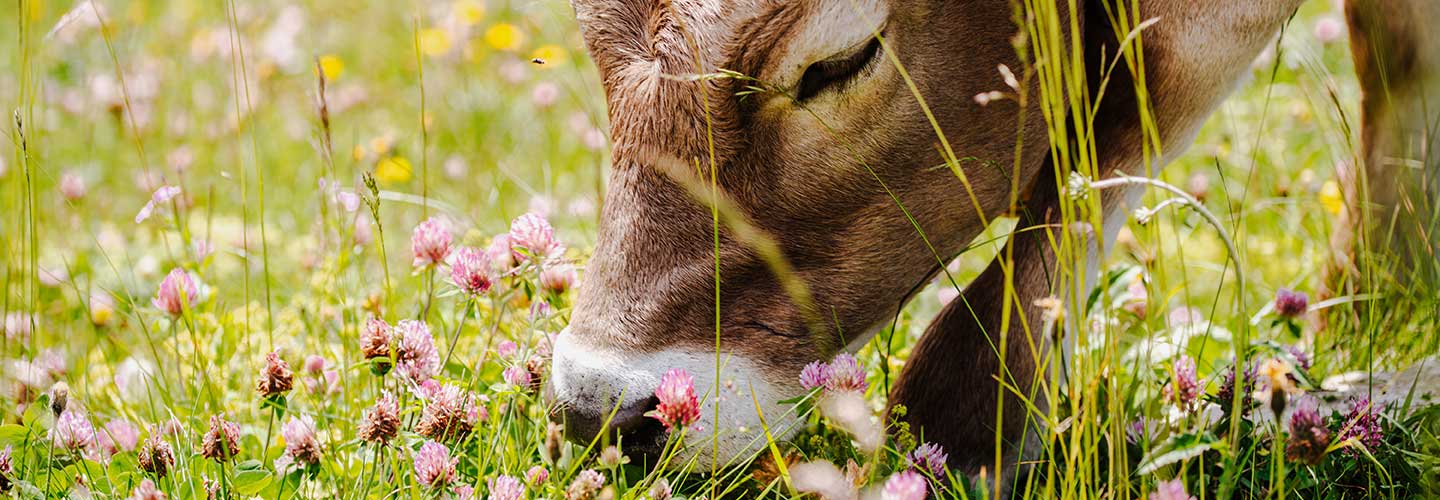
393, 170
469, 12
504, 36
380, 144
434, 42
1277, 371
332, 66
358, 152
553, 55
1331, 197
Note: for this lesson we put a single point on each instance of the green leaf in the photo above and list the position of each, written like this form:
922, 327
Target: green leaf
1177, 448
12, 434
250, 478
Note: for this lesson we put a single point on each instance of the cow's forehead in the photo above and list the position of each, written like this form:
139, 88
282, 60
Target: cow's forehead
661, 29
648, 53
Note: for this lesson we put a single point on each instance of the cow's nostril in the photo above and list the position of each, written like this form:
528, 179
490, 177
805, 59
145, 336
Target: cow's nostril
638, 432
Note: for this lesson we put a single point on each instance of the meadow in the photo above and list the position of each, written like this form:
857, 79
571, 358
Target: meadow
321, 250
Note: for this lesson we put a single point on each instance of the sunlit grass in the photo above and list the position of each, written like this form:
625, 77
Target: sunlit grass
295, 215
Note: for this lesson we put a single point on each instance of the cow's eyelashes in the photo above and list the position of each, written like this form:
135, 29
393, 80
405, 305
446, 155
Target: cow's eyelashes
835, 71
755, 325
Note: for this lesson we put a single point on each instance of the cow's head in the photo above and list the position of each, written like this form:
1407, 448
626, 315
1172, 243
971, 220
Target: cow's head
804, 165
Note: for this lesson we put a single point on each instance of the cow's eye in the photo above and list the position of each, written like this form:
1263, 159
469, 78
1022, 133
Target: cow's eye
836, 71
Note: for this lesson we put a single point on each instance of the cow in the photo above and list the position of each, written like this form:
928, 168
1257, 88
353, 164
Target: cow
792, 148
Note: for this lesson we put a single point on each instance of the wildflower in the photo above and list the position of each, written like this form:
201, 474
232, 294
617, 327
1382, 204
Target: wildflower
222, 441
147, 491
314, 364
451, 413
155, 456
823, 479
678, 405
455, 167
1077, 186
501, 255
72, 186
177, 292
17, 326
1332, 197
331, 66
1052, 310
1277, 374
375, 343
276, 379
393, 170
505, 487
7, 467
300, 442
610, 457
1308, 434
846, 374
533, 234
1137, 298
381, 422
1198, 185
470, 270
815, 374
430, 243
660, 490
427, 389
544, 94
1139, 431
1289, 303
464, 492
72, 431
504, 36
1226, 395
558, 279
348, 200
102, 308
552, 55
415, 355
904, 485
849, 411
1173, 489
506, 349
433, 466
517, 376
119, 435
1329, 29
593, 138
434, 42
1184, 387
1302, 358
586, 484
469, 12
930, 457
59, 397
537, 475
554, 437
1363, 425
325, 382
539, 309
159, 198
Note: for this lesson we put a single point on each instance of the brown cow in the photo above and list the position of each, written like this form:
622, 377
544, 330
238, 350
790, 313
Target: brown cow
820, 164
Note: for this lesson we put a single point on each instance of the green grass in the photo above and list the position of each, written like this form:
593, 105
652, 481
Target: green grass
160, 95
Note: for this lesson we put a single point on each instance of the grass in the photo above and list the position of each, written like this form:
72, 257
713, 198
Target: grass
297, 206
